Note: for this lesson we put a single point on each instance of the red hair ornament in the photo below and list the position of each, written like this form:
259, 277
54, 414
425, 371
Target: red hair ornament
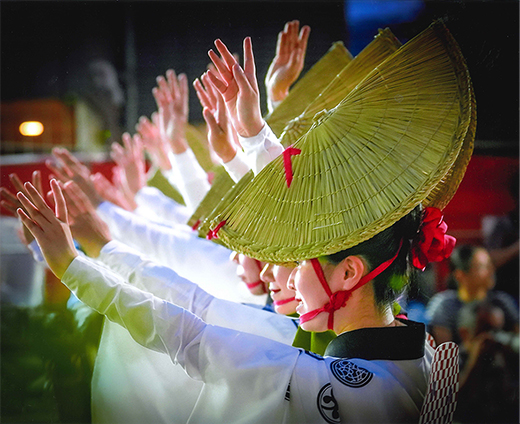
432, 243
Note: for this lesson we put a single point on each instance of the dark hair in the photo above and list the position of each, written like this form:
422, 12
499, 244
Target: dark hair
462, 256
382, 247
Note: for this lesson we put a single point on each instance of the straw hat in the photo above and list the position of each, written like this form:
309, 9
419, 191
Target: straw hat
391, 144
381, 47
220, 185
319, 75
198, 143
309, 86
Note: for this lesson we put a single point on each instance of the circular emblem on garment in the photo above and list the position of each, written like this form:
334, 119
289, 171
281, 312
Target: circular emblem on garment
327, 405
350, 374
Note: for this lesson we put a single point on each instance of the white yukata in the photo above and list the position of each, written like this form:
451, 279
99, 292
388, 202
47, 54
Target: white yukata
155, 206
251, 379
132, 384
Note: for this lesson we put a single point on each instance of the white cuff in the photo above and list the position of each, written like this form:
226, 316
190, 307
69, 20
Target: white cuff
261, 148
237, 167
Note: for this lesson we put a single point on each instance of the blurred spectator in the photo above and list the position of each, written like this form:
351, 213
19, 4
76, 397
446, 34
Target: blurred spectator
107, 97
474, 275
489, 366
501, 239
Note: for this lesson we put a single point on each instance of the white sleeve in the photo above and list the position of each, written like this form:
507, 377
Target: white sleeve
189, 177
163, 282
152, 322
154, 204
240, 369
159, 280
261, 149
199, 260
237, 167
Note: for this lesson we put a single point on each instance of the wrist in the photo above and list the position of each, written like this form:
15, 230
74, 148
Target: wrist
253, 128
178, 145
228, 156
277, 95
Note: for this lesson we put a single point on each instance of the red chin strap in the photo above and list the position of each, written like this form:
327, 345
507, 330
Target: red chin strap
257, 283
283, 301
339, 299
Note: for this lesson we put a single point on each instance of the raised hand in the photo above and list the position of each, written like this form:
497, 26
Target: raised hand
288, 61
238, 87
221, 134
171, 96
111, 192
73, 169
89, 230
153, 142
130, 160
50, 229
11, 202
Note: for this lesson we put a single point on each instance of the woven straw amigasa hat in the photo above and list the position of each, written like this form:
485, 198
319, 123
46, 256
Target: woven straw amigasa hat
335, 74
403, 136
309, 86
382, 46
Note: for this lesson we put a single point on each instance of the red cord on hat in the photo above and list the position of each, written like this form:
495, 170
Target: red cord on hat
213, 233
287, 153
283, 301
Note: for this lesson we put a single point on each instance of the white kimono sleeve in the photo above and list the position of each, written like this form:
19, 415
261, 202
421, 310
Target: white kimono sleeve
189, 177
154, 204
237, 167
246, 376
261, 149
201, 261
163, 282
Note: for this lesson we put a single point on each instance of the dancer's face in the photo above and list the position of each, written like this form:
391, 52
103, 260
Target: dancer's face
276, 277
248, 270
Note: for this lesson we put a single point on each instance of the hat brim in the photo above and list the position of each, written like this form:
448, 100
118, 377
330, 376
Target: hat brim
363, 165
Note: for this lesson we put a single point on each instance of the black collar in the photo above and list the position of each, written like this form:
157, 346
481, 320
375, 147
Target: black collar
392, 343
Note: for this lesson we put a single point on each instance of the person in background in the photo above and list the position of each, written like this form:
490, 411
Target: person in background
489, 366
474, 274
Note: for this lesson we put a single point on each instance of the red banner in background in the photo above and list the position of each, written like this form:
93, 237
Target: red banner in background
24, 170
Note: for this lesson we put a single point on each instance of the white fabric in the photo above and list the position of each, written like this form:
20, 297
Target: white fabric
261, 148
199, 260
237, 167
189, 177
153, 204
166, 284
247, 377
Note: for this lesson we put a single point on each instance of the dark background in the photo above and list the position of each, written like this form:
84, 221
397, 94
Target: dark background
46, 46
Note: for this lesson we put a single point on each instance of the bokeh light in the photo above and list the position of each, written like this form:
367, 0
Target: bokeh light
31, 128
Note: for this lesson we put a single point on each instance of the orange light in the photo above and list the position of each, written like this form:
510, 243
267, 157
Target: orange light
31, 128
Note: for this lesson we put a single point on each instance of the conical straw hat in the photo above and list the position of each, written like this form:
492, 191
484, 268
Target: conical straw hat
443, 192
198, 143
379, 49
309, 86
228, 196
220, 185
363, 165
